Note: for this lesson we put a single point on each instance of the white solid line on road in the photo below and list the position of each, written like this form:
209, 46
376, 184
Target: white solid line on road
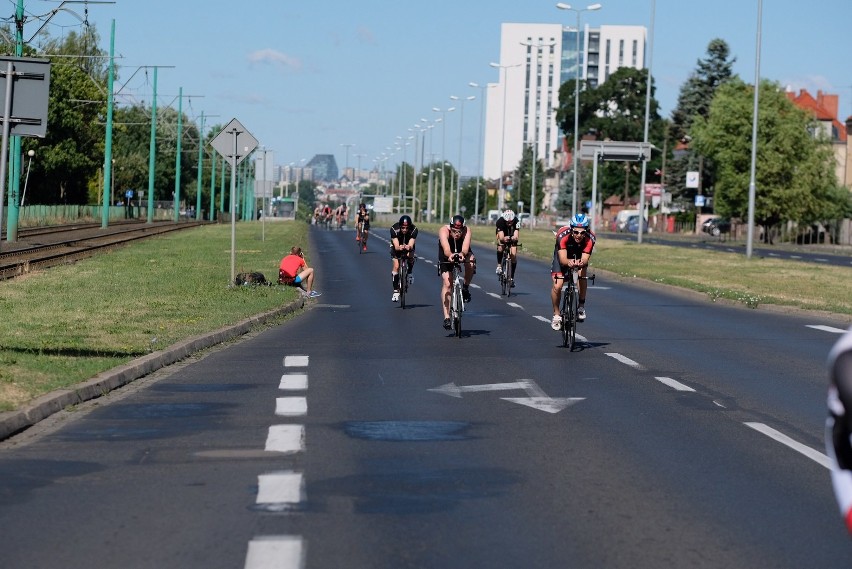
831, 329
674, 384
275, 552
296, 361
284, 488
515, 305
625, 360
293, 381
291, 406
812, 454
285, 438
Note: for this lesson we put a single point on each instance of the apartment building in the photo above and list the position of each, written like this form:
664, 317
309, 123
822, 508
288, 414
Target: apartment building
535, 59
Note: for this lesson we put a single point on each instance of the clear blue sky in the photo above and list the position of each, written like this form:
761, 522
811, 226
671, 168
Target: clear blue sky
306, 77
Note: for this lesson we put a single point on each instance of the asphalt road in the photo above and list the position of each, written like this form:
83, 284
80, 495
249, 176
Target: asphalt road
681, 433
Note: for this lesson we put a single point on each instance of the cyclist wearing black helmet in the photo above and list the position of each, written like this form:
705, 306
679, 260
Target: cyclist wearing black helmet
454, 239
403, 234
574, 245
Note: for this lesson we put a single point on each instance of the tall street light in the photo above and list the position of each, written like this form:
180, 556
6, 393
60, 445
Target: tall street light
461, 135
346, 167
535, 115
641, 220
575, 151
479, 173
501, 198
752, 184
443, 146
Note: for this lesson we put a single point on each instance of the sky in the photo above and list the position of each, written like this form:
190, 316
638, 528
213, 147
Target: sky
347, 77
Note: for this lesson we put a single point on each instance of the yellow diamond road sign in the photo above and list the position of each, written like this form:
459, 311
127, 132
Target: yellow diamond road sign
234, 141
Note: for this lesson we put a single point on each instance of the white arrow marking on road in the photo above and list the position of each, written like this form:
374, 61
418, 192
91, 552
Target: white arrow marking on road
454, 390
537, 398
831, 329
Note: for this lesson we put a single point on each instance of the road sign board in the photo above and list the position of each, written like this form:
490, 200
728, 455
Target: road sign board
234, 141
615, 150
31, 89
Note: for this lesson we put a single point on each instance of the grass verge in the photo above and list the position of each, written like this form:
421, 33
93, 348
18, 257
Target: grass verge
67, 324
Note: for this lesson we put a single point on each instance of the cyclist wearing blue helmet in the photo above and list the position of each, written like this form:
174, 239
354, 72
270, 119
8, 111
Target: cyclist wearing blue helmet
574, 245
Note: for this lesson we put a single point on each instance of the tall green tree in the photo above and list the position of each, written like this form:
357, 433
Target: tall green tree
70, 156
795, 179
696, 95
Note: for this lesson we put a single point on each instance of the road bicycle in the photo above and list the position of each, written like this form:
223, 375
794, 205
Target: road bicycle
359, 235
569, 305
404, 276
506, 274
457, 298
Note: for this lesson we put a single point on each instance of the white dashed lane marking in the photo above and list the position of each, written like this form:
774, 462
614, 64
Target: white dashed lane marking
625, 360
293, 382
285, 438
674, 384
291, 406
275, 552
831, 329
296, 361
807, 451
281, 488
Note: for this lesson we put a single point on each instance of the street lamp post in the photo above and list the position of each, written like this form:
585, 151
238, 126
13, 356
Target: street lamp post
348, 146
575, 151
461, 134
641, 220
752, 184
501, 198
443, 146
479, 173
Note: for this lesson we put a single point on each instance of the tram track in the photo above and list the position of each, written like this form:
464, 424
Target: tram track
41, 248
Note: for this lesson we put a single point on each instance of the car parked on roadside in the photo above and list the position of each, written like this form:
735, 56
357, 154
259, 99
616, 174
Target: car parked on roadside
524, 219
632, 224
716, 226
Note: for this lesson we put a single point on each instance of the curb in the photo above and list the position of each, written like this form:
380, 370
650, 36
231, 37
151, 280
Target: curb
13, 422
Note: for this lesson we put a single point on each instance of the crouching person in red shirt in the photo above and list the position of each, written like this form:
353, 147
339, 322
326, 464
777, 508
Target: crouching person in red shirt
294, 271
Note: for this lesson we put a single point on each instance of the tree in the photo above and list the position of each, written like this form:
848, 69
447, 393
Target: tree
615, 110
694, 100
71, 153
795, 180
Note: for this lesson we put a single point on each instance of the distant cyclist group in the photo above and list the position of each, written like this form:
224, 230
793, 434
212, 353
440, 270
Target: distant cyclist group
572, 251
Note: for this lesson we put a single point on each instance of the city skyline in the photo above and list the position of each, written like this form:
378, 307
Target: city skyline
307, 80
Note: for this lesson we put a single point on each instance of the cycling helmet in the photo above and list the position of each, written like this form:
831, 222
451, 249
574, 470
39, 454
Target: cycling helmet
580, 220
405, 220
509, 215
458, 222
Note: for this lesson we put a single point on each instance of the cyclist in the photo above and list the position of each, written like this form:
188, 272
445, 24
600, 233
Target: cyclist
507, 235
362, 234
326, 215
838, 426
574, 245
403, 235
454, 239
340, 215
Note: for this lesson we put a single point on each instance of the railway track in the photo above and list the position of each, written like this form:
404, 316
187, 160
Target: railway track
43, 247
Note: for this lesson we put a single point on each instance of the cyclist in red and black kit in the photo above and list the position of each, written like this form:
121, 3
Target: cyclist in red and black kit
507, 236
403, 235
838, 426
574, 245
454, 239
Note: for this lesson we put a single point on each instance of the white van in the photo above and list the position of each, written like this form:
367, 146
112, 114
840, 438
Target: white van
493, 216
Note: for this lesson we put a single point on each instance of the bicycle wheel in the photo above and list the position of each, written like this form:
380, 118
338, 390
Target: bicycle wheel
508, 275
459, 308
569, 323
403, 281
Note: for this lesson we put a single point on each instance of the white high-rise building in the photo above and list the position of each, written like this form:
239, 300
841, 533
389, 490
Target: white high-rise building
535, 60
